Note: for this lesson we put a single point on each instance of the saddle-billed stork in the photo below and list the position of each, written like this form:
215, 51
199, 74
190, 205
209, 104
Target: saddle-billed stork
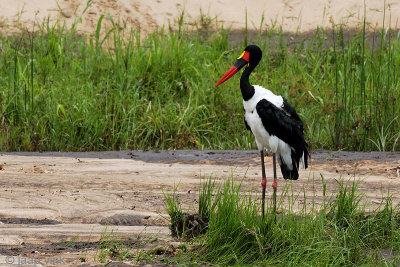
272, 120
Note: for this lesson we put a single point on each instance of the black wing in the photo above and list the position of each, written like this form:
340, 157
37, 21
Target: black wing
291, 111
247, 126
286, 125
294, 116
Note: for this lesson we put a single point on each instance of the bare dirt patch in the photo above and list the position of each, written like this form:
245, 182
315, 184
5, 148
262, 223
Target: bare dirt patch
50, 199
291, 15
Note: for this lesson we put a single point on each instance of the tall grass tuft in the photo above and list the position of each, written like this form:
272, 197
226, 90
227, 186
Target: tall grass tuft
178, 223
207, 201
344, 210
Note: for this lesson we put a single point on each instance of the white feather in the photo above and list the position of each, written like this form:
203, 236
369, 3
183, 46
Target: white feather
263, 139
302, 161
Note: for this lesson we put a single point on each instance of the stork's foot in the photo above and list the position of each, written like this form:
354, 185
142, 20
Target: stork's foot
264, 182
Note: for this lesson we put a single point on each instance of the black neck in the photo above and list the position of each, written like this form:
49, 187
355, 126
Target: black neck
245, 86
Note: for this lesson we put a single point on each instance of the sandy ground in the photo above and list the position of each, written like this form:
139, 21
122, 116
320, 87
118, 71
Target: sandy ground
48, 199
291, 15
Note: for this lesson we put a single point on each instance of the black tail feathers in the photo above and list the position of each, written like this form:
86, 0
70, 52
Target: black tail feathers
287, 173
294, 173
306, 155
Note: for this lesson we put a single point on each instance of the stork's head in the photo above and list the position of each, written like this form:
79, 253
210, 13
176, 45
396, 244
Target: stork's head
250, 58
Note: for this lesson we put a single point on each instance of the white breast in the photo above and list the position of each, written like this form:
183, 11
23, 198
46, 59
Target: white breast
263, 138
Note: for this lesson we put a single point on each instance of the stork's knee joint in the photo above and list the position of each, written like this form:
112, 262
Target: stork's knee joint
275, 184
264, 182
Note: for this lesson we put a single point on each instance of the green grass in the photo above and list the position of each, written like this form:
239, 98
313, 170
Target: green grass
110, 246
63, 91
337, 233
